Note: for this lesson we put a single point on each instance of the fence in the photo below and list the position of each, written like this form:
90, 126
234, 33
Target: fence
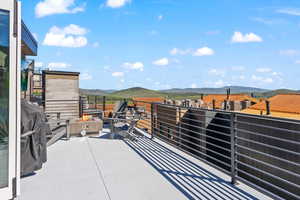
263, 152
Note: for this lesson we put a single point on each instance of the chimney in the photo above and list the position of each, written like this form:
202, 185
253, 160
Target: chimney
268, 107
202, 97
214, 104
252, 94
228, 93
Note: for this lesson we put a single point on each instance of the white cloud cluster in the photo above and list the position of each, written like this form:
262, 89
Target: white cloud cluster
217, 72
86, 76
194, 85
177, 51
289, 52
160, 17
58, 65
161, 62
116, 3
238, 68
134, 66
262, 79
69, 36
117, 74
50, 7
239, 37
204, 51
264, 70
38, 64
289, 11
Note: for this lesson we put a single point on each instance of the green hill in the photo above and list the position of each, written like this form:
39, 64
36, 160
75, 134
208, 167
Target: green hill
275, 92
138, 92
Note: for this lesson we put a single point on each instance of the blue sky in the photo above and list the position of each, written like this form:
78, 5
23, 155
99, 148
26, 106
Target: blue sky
161, 44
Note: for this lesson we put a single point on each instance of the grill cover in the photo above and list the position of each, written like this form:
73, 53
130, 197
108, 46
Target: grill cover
33, 147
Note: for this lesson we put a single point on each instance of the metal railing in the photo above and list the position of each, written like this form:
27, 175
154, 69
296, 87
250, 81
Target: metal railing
261, 151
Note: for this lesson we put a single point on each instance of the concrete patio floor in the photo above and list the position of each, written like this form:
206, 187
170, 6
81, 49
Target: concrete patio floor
100, 168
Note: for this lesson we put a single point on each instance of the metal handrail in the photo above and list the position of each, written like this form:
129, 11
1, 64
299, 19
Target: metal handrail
243, 147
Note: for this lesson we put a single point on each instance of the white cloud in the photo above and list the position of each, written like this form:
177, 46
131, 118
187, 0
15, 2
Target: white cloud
117, 74
262, 79
264, 70
58, 65
134, 66
153, 32
194, 85
161, 62
289, 52
289, 11
116, 3
219, 83
238, 37
86, 76
96, 44
160, 17
176, 51
297, 62
204, 51
69, 36
38, 64
238, 68
106, 68
50, 7
217, 72
268, 21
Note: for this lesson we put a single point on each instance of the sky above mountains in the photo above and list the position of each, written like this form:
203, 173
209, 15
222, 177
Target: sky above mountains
162, 44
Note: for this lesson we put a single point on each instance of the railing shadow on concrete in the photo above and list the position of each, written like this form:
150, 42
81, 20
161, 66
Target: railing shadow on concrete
189, 178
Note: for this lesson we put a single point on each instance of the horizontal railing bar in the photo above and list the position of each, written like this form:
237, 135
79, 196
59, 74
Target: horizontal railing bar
268, 136
205, 135
268, 118
226, 164
269, 174
194, 120
269, 146
268, 155
195, 156
218, 118
269, 127
206, 129
259, 188
269, 165
270, 184
180, 133
197, 132
202, 147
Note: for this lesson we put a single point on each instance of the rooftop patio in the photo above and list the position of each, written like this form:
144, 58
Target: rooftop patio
102, 168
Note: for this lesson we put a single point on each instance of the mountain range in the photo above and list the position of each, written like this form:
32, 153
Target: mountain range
183, 93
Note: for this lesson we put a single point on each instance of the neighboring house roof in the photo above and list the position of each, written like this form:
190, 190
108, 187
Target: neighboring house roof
149, 99
219, 98
282, 103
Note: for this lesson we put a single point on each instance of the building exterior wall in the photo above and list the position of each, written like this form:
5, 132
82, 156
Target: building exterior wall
61, 94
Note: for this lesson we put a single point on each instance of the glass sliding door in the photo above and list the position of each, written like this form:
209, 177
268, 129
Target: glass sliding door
4, 97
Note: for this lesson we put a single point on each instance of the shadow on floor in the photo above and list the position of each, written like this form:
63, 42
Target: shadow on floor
189, 178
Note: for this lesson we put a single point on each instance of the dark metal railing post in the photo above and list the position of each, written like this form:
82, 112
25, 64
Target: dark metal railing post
103, 105
152, 121
179, 120
233, 148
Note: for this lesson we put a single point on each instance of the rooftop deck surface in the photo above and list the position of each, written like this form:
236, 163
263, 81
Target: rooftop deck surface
100, 168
